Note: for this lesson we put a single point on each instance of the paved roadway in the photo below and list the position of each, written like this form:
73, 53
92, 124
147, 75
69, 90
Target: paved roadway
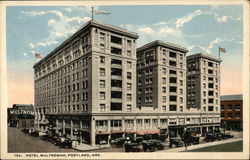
20, 142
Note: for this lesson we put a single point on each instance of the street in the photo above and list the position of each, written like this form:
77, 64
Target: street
21, 142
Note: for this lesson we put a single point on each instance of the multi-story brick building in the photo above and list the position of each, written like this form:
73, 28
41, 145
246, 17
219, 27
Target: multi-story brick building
203, 90
88, 83
232, 112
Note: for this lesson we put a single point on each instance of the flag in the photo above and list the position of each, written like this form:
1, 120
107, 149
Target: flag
100, 12
222, 50
38, 55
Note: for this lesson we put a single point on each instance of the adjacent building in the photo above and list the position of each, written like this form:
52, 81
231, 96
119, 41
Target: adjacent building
21, 116
203, 90
161, 82
232, 112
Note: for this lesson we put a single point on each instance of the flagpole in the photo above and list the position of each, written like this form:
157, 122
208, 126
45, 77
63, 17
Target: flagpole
92, 13
219, 53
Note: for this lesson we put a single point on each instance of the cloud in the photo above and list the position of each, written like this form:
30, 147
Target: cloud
45, 44
67, 9
31, 45
222, 19
25, 54
181, 21
40, 13
225, 18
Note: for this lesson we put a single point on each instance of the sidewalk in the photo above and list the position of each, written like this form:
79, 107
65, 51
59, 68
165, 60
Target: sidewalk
86, 147
181, 149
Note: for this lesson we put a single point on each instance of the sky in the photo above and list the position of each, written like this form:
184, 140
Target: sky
199, 28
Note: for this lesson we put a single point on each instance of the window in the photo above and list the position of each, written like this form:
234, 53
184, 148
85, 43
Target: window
129, 108
210, 93
230, 106
116, 94
210, 85
163, 89
172, 54
102, 59
116, 106
181, 108
116, 51
181, 82
102, 71
163, 108
129, 64
210, 108
210, 71
129, 97
116, 40
172, 89
101, 123
172, 63
172, 72
210, 64
172, 80
237, 106
129, 86
173, 98
116, 123
237, 115
222, 107
102, 83
163, 80
116, 61
229, 115
164, 99
164, 71
102, 95
172, 108
129, 75
210, 100
102, 107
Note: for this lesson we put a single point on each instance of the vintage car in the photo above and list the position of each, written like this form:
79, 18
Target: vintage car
157, 144
137, 139
66, 144
118, 142
176, 142
35, 133
25, 130
133, 147
226, 136
190, 137
46, 137
210, 137
148, 146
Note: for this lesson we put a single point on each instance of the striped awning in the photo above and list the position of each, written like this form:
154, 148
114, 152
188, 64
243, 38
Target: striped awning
102, 132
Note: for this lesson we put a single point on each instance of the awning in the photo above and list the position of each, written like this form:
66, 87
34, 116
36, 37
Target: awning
130, 131
117, 131
102, 132
152, 131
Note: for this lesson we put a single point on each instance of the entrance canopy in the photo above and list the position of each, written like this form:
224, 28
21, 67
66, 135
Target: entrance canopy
152, 131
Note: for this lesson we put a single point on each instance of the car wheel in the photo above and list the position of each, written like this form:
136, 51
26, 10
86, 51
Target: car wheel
173, 145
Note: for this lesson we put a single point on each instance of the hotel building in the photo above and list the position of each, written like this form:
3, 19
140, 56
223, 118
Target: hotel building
203, 91
88, 85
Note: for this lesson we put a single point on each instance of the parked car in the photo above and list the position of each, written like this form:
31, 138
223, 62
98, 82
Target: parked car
25, 130
35, 133
176, 142
226, 136
157, 144
133, 147
137, 139
191, 138
118, 142
66, 144
210, 137
46, 137
148, 146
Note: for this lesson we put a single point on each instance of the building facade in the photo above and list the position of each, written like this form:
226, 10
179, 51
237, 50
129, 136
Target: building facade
203, 90
232, 112
21, 116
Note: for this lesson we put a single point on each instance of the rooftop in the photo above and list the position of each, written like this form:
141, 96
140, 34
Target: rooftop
91, 23
164, 44
203, 55
231, 97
